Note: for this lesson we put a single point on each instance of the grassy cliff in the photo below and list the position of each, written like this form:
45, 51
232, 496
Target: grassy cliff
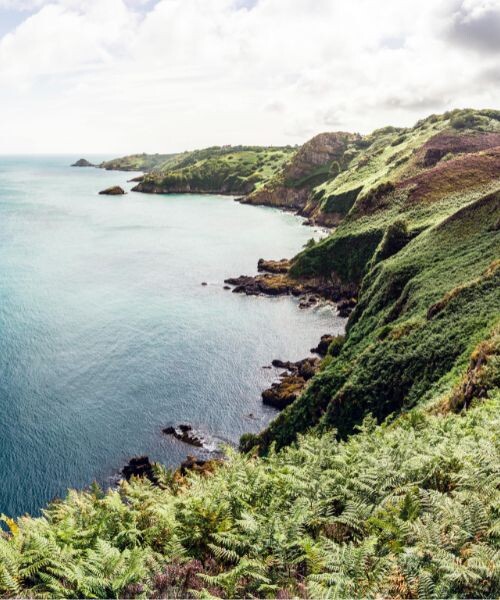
137, 162
417, 234
226, 170
382, 479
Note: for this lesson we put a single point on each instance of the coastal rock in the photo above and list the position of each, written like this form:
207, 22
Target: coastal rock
308, 302
115, 190
82, 162
198, 465
273, 266
292, 381
345, 307
139, 466
186, 434
267, 284
137, 179
281, 394
322, 347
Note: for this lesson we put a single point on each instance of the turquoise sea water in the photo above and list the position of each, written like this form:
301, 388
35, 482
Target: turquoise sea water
107, 336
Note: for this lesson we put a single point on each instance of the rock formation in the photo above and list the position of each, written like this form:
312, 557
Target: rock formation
115, 190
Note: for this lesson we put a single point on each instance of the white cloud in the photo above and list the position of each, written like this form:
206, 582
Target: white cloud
133, 75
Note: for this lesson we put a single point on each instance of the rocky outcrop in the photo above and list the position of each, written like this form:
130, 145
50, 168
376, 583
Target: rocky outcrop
186, 434
198, 465
321, 150
83, 162
292, 381
324, 343
273, 266
309, 167
278, 196
267, 284
115, 190
139, 466
346, 306
155, 185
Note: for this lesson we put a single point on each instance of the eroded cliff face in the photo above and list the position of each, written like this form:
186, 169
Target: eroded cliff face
321, 150
311, 165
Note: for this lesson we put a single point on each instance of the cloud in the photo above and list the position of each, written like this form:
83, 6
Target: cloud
163, 75
476, 24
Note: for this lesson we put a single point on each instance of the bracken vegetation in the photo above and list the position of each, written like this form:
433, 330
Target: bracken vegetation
382, 479
408, 509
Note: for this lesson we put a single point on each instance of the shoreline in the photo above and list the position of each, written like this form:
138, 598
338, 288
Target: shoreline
290, 381
271, 280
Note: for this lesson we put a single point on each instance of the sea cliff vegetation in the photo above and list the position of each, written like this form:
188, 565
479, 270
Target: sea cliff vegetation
382, 478
219, 169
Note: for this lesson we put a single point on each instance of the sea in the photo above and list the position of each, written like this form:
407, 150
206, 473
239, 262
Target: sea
107, 334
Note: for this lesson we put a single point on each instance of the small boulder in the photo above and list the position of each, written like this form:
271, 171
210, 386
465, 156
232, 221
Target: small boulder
115, 190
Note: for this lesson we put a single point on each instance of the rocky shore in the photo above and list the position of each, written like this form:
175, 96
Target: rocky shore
294, 376
273, 280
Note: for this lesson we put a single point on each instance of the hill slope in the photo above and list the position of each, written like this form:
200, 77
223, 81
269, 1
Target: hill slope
222, 170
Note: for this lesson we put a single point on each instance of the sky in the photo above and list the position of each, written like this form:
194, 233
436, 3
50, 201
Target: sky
123, 76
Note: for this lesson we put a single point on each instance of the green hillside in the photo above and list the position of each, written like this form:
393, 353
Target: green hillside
137, 162
224, 170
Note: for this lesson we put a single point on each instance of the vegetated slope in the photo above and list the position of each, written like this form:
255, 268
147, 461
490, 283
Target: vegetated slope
430, 236
405, 510
225, 169
137, 162
394, 490
332, 170
318, 160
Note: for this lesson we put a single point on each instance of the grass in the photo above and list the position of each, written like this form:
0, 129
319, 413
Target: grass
227, 169
394, 356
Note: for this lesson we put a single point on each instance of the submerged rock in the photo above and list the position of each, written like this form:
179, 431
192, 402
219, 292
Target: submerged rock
83, 162
115, 190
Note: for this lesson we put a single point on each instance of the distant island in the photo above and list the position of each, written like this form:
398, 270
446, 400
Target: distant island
379, 475
82, 162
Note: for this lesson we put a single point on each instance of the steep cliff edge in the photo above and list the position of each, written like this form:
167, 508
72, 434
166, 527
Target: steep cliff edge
317, 161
